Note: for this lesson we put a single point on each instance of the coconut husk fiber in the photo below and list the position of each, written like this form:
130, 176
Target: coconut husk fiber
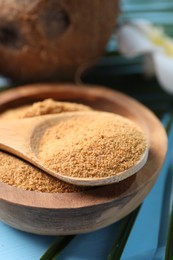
41, 39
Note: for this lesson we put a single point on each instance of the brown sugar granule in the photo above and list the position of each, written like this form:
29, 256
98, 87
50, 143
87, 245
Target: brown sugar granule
45, 107
16, 172
92, 146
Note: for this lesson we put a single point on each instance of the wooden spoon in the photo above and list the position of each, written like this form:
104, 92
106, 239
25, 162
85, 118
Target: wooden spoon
21, 137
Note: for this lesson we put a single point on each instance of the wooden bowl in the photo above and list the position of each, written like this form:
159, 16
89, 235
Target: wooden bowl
80, 212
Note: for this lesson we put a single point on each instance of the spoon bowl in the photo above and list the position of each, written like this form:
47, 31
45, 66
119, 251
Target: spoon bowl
21, 137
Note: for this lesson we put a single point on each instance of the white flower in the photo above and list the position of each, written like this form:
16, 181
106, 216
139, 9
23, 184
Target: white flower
140, 37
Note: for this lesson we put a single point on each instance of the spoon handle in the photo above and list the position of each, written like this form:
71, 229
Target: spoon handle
18, 137
15, 137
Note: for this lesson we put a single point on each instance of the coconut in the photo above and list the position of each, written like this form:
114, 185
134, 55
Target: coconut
46, 39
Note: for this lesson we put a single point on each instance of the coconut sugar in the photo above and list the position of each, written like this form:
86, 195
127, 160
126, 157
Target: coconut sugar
45, 107
92, 146
18, 173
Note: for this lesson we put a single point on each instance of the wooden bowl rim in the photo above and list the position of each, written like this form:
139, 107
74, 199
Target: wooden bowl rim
100, 195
